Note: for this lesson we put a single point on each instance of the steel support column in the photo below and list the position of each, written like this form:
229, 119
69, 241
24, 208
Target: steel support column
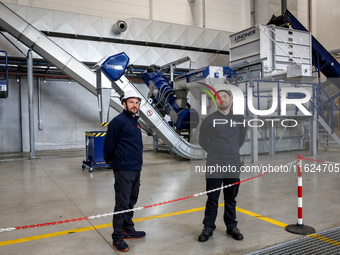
254, 144
272, 141
30, 102
313, 136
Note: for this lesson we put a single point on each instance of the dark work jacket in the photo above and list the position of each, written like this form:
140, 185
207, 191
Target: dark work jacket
223, 142
123, 145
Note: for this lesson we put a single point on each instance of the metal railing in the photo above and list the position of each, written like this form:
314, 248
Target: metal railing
327, 108
321, 103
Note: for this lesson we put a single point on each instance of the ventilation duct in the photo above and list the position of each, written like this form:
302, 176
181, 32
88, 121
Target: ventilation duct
119, 27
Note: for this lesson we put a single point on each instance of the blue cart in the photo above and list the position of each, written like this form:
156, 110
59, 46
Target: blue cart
94, 150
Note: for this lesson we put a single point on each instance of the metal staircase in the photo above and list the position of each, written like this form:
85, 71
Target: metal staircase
326, 138
328, 119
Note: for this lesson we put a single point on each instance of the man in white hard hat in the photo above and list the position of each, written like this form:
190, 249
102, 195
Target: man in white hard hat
221, 135
123, 150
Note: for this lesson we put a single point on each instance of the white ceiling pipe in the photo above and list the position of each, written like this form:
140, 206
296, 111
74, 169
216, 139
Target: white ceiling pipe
198, 12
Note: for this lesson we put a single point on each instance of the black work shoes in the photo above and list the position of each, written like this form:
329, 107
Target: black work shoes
206, 233
204, 236
134, 235
235, 233
120, 245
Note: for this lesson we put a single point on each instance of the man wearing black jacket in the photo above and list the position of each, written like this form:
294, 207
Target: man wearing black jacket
123, 150
221, 135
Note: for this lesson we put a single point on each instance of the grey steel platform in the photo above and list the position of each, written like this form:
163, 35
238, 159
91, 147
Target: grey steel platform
325, 242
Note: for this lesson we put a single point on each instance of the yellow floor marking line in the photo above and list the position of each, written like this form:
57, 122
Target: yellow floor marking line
325, 239
281, 224
32, 238
275, 222
169, 214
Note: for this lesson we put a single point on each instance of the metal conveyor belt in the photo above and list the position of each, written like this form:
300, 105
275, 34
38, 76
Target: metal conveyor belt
156, 122
322, 59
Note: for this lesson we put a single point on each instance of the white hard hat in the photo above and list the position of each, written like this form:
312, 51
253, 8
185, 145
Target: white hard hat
129, 94
222, 87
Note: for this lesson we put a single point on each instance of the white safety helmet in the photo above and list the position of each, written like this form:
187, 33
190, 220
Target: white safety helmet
130, 94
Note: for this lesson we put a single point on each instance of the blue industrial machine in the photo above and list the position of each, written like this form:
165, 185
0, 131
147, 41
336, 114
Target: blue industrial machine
210, 72
170, 102
167, 99
162, 102
164, 98
4, 76
94, 150
115, 66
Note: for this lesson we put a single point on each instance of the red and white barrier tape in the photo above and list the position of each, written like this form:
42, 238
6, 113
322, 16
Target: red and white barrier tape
138, 208
321, 161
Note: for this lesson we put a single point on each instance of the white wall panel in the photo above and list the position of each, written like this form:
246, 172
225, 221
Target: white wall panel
174, 11
139, 55
302, 12
261, 11
138, 29
226, 15
326, 14
264, 9
10, 138
120, 9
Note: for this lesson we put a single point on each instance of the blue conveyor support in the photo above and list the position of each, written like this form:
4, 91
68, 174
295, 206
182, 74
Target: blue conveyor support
186, 117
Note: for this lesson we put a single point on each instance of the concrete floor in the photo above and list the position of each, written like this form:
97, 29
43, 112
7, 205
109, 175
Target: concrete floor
54, 188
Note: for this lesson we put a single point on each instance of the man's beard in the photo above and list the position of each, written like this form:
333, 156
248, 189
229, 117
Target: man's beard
223, 107
130, 110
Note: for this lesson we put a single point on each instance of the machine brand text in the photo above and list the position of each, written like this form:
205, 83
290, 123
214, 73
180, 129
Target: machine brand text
242, 37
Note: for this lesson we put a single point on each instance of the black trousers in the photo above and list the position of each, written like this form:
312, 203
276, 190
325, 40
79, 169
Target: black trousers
211, 208
126, 194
